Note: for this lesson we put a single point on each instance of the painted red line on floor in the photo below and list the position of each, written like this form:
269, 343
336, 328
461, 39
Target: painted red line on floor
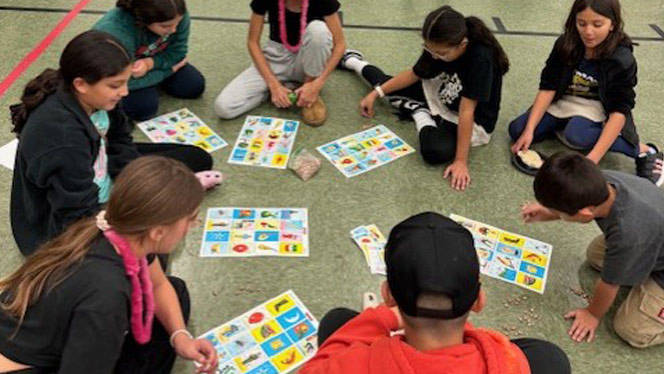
41, 47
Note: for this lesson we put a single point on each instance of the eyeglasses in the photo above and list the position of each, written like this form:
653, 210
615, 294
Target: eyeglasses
434, 54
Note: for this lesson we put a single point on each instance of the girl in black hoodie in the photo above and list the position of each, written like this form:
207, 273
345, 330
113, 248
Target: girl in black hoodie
74, 140
587, 93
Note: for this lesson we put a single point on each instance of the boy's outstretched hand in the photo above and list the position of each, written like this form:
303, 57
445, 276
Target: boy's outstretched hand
535, 212
583, 326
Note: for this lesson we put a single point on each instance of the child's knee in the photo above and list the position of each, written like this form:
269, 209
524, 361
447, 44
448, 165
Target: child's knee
224, 107
436, 155
318, 34
517, 126
579, 138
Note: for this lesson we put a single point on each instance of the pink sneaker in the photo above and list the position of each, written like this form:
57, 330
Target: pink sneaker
210, 178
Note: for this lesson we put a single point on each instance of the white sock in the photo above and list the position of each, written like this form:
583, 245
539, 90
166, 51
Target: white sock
423, 119
356, 64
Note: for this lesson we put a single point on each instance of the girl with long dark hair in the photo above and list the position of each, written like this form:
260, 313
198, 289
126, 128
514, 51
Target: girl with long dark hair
586, 92
74, 140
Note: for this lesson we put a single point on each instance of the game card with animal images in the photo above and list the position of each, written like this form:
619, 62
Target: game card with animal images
509, 257
366, 150
265, 141
182, 127
245, 232
372, 243
276, 337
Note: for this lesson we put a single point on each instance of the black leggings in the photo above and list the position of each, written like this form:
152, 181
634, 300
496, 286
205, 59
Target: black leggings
543, 357
437, 143
155, 357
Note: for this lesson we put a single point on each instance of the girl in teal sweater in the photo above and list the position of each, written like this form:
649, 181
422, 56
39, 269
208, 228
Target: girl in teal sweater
156, 32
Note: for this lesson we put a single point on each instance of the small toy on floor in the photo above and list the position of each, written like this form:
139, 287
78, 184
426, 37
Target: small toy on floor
316, 114
210, 178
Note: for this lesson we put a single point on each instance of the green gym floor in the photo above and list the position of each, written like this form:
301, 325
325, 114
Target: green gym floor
335, 274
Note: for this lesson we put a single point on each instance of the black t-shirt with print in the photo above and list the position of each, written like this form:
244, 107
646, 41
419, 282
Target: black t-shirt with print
585, 82
475, 75
317, 10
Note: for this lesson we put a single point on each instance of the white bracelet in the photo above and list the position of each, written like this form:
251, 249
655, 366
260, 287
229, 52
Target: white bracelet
380, 91
176, 332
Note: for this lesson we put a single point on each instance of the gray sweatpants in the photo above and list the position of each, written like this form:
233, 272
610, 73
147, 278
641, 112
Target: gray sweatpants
249, 89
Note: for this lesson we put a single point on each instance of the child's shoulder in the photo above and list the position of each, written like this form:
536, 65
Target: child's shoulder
115, 18
623, 56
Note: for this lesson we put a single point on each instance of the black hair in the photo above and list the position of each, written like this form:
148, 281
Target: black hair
146, 12
446, 25
92, 56
572, 48
568, 182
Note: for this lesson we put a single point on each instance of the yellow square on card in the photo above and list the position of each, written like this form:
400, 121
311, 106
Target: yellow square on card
534, 258
513, 240
287, 359
280, 305
204, 131
266, 331
279, 160
203, 144
290, 248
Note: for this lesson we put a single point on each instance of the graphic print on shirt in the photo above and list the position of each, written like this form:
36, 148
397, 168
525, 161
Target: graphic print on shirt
450, 87
583, 85
154, 48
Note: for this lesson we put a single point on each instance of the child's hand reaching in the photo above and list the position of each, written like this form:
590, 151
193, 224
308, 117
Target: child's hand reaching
584, 325
142, 67
535, 212
458, 174
367, 104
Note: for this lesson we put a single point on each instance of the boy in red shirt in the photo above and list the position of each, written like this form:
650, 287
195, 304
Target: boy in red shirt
432, 285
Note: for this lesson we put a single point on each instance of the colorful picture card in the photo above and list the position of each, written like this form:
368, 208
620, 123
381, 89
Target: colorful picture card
182, 127
366, 150
246, 232
273, 338
372, 243
509, 257
265, 141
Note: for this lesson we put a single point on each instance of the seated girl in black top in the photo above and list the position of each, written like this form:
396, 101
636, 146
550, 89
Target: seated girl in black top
452, 92
586, 92
74, 140
69, 307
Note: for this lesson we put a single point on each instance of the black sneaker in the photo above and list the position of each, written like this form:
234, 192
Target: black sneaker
650, 165
350, 53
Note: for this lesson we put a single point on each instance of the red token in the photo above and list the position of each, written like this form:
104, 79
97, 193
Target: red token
240, 248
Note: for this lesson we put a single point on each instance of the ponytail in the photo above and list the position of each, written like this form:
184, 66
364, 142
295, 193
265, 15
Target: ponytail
35, 92
146, 12
46, 268
446, 25
479, 33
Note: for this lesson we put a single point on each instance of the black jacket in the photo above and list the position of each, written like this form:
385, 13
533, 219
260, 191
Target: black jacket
616, 83
53, 175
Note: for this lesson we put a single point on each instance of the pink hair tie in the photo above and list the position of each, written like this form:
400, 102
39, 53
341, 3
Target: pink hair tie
282, 25
141, 286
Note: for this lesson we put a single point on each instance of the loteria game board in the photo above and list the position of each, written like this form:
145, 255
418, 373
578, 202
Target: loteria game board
273, 338
245, 232
372, 243
183, 127
509, 257
265, 141
366, 150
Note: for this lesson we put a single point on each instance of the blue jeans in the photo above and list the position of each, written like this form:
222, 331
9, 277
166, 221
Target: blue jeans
578, 131
186, 83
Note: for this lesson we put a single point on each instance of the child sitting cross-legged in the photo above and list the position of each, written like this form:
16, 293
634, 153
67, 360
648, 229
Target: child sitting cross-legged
432, 286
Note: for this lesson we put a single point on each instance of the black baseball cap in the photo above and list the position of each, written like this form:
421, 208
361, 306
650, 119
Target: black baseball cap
431, 253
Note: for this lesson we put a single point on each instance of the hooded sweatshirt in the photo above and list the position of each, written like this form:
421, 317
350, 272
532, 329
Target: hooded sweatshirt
364, 345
